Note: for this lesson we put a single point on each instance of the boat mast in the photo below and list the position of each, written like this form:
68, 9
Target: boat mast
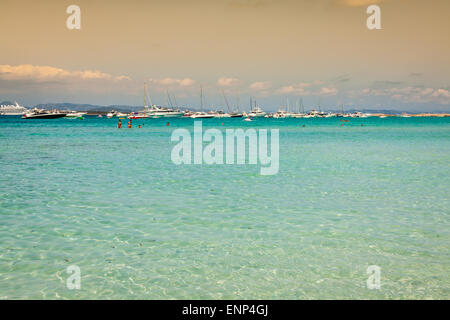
175, 100
226, 101
168, 98
201, 98
145, 96
237, 102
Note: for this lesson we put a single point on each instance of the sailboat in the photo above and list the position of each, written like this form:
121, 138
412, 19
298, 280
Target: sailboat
159, 112
255, 110
299, 114
236, 114
201, 114
141, 115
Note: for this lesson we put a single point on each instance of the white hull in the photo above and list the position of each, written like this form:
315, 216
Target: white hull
202, 116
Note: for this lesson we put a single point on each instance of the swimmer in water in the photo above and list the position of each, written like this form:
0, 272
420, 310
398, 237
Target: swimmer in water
119, 124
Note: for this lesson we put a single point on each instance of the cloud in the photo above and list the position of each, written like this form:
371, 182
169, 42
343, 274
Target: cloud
186, 82
46, 73
441, 93
305, 88
356, 3
227, 82
293, 89
326, 91
409, 94
260, 85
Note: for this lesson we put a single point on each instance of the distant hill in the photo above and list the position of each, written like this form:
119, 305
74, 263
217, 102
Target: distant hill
6, 103
87, 107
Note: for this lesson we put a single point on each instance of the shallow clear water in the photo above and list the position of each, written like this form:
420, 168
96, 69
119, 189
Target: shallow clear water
82, 192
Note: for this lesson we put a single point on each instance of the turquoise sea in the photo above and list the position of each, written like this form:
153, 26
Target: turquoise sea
82, 192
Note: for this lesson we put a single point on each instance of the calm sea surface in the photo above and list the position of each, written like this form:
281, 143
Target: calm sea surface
82, 192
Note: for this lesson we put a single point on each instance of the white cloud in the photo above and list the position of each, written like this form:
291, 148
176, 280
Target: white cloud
186, 82
409, 94
307, 88
293, 89
328, 91
47, 73
441, 93
260, 85
227, 82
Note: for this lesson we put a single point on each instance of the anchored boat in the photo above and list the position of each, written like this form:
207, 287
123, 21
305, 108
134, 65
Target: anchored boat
43, 114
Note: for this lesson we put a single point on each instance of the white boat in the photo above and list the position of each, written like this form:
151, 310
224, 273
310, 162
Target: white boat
137, 115
256, 112
405, 115
221, 114
202, 115
248, 119
13, 110
75, 115
160, 112
358, 114
112, 114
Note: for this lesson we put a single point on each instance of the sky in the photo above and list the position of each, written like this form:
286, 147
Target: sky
275, 52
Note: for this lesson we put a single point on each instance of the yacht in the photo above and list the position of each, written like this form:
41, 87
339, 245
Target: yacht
75, 115
43, 114
202, 115
137, 115
12, 110
256, 112
221, 114
112, 114
236, 115
161, 112
358, 114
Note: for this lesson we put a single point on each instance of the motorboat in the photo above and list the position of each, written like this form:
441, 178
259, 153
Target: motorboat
256, 112
75, 115
43, 114
137, 115
202, 115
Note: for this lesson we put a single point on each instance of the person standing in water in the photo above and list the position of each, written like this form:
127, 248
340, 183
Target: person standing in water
119, 124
